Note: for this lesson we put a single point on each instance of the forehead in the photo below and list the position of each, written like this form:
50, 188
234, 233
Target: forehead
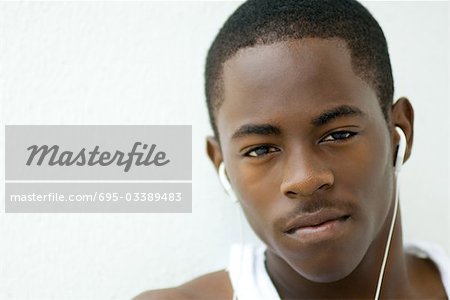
291, 80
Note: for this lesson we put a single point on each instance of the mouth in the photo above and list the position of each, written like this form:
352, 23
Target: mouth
319, 226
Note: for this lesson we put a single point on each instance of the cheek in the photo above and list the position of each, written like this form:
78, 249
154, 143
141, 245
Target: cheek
368, 176
256, 202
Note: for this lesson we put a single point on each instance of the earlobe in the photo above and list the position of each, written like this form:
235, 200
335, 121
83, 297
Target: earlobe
214, 151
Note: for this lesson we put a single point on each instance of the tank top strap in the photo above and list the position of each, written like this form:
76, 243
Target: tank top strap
248, 274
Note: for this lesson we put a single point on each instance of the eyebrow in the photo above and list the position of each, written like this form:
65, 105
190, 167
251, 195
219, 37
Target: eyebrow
337, 112
320, 120
256, 129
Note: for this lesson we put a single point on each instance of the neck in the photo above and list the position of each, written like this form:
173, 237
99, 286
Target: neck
361, 283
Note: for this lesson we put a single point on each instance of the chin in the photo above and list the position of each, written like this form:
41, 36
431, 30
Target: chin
326, 264
326, 275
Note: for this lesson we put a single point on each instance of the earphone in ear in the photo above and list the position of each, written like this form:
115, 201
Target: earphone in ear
226, 184
401, 150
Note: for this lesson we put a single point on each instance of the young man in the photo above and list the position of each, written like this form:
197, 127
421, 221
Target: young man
300, 101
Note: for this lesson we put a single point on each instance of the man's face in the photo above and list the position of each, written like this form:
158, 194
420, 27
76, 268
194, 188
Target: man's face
283, 165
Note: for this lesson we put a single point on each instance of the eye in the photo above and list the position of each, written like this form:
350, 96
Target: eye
261, 151
339, 136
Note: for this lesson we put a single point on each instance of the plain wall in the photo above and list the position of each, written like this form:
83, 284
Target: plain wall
142, 63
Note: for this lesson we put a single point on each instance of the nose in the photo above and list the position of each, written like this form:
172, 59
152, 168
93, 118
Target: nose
304, 175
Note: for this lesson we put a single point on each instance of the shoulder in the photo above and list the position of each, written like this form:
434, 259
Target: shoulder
215, 285
162, 294
428, 268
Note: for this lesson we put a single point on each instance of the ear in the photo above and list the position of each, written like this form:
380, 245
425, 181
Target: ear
214, 151
403, 117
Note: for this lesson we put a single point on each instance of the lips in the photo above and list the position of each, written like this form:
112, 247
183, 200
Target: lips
316, 219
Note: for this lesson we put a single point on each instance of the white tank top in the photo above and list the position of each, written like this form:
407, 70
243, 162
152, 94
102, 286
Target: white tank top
251, 281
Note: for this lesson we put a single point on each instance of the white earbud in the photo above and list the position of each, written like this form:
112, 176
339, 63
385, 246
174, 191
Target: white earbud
401, 150
226, 184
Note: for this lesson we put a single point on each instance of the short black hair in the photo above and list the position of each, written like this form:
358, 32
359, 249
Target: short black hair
263, 22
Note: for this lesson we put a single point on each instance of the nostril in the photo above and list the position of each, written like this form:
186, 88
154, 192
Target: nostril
291, 193
325, 186
305, 184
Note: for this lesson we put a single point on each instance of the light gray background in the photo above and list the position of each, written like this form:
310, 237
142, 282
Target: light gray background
142, 63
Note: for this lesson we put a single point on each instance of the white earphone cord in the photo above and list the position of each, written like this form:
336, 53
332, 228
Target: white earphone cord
388, 242
241, 241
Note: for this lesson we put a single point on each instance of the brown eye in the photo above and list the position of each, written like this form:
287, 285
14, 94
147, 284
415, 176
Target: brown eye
339, 135
260, 151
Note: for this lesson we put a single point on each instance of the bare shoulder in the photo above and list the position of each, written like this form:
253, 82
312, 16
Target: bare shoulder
170, 293
426, 278
215, 285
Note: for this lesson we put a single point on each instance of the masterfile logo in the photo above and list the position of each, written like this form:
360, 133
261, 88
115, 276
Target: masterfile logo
88, 168
91, 158
88, 152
